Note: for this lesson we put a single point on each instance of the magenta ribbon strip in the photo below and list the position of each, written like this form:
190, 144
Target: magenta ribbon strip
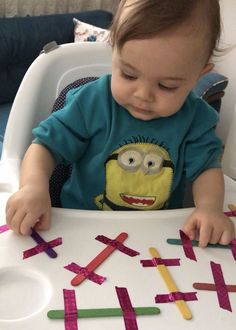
173, 296
42, 247
187, 246
159, 261
3, 228
92, 276
230, 213
221, 288
119, 246
127, 308
233, 248
70, 318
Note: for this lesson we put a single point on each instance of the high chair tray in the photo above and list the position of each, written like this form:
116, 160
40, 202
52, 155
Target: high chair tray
30, 287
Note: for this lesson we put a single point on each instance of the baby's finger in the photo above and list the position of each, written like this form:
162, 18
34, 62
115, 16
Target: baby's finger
27, 223
205, 233
16, 221
10, 212
190, 229
44, 222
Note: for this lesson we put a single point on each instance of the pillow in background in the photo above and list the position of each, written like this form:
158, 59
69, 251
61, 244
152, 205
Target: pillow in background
87, 32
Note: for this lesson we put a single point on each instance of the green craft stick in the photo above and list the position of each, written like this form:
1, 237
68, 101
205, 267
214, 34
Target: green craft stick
176, 241
103, 312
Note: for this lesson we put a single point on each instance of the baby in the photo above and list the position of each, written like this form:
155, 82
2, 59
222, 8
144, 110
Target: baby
135, 136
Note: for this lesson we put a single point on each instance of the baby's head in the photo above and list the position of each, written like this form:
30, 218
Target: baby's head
143, 19
160, 49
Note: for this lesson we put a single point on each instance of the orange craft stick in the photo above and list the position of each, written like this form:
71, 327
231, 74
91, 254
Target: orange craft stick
99, 259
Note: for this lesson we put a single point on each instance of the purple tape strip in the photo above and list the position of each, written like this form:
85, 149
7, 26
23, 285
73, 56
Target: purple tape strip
70, 318
42, 247
221, 288
230, 213
3, 228
233, 248
127, 308
73, 267
119, 246
187, 246
171, 297
158, 261
38, 239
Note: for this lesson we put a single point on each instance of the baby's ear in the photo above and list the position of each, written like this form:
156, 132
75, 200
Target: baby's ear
207, 68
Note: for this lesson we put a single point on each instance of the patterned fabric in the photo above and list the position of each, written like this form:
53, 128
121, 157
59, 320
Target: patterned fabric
87, 32
62, 172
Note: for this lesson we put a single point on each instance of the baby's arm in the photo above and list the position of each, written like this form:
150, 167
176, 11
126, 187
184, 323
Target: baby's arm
208, 220
30, 206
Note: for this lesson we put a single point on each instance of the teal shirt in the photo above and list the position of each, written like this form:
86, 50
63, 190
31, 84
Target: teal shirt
120, 162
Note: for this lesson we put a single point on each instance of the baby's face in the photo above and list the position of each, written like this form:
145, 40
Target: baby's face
151, 78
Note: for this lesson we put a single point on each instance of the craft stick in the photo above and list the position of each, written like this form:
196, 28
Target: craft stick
99, 259
232, 207
212, 287
38, 239
181, 304
175, 241
103, 312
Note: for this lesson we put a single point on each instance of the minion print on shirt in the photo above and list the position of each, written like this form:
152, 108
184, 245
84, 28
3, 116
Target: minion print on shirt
139, 176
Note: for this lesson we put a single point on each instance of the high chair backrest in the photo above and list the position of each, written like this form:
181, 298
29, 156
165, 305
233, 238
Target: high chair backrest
47, 76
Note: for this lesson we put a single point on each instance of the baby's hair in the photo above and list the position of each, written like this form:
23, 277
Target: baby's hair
147, 18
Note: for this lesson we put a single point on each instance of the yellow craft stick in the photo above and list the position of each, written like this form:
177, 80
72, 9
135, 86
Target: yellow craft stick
181, 304
232, 207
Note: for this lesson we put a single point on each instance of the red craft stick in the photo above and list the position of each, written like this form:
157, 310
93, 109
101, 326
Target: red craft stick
99, 259
212, 287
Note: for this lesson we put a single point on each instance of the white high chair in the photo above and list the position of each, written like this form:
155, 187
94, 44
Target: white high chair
53, 70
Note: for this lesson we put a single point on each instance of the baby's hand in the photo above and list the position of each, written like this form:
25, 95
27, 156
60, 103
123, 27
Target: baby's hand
209, 226
27, 208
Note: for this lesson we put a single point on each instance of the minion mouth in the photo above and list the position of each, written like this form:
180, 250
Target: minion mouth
138, 200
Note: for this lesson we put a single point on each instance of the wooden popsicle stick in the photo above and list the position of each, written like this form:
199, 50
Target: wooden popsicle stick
99, 259
181, 304
212, 287
103, 312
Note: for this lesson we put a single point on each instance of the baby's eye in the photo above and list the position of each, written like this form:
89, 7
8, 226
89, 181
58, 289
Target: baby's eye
167, 88
127, 76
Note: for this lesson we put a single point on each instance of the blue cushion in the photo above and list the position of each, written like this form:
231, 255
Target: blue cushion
4, 113
22, 39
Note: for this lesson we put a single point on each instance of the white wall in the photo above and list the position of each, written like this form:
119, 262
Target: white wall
227, 65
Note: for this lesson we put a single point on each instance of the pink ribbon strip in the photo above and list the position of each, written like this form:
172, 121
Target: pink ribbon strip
42, 247
70, 318
3, 228
230, 213
159, 261
233, 248
92, 276
173, 296
119, 246
187, 246
127, 308
221, 288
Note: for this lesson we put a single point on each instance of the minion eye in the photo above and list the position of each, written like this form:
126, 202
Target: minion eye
152, 163
130, 159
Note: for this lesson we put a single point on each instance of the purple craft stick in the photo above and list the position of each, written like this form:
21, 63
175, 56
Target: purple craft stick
38, 239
